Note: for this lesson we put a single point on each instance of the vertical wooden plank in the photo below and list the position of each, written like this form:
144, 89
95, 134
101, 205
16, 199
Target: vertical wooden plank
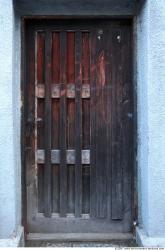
47, 135
85, 122
70, 123
71, 188
93, 123
55, 145
117, 164
78, 124
71, 145
40, 57
55, 121
55, 188
85, 80
56, 80
86, 189
70, 57
56, 57
40, 123
40, 74
109, 90
63, 166
86, 145
127, 146
71, 119
101, 126
40, 188
85, 58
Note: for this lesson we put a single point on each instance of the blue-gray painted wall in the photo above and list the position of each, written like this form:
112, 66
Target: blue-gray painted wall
151, 117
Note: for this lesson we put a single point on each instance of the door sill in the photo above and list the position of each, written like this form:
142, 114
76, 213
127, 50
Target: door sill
97, 237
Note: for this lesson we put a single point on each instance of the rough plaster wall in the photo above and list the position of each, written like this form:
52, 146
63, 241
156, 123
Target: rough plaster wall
16, 113
10, 163
142, 112
156, 118
151, 116
7, 167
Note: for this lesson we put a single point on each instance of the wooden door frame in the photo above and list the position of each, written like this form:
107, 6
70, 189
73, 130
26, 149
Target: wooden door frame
133, 19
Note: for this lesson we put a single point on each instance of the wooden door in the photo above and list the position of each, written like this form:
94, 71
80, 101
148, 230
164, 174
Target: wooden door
79, 126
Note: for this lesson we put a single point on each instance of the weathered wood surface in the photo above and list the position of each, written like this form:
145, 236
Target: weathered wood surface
81, 134
63, 169
47, 134
78, 123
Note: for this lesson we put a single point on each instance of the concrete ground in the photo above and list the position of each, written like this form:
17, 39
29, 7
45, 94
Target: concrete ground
117, 244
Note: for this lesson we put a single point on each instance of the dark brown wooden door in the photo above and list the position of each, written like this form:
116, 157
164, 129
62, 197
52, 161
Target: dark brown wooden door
79, 126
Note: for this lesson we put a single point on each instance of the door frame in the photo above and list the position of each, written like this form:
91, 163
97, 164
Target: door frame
24, 20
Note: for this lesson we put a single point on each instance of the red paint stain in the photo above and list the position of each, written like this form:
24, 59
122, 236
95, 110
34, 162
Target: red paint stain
101, 69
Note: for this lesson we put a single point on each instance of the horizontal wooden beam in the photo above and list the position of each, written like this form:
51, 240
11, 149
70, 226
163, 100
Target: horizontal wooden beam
70, 156
55, 91
78, 7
